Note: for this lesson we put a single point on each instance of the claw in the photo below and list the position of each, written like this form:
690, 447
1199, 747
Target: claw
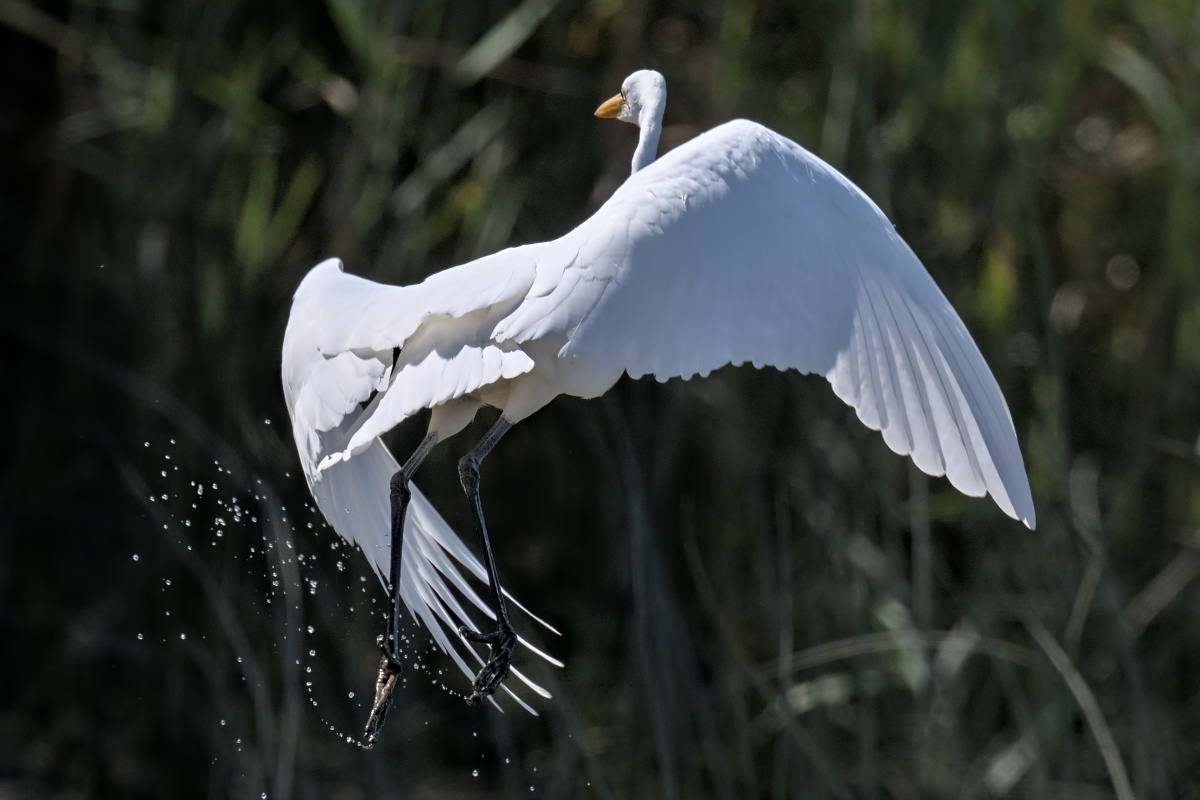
502, 643
385, 684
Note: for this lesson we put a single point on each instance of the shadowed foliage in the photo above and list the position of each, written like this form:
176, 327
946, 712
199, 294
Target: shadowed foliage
757, 598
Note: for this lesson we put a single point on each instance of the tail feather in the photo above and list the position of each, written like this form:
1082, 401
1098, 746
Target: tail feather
354, 496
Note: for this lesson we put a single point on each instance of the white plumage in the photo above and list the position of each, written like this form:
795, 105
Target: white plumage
739, 246
324, 389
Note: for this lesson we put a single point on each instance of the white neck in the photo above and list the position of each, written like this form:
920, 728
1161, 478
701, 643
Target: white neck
650, 124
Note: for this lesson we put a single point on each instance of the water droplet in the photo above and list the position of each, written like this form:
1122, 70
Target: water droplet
140, 637
310, 628
136, 556
183, 636
147, 444
352, 695
474, 773
222, 722
312, 652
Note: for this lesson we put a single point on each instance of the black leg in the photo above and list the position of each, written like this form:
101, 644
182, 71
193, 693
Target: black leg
504, 639
389, 665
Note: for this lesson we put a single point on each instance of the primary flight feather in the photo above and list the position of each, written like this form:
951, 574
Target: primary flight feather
738, 246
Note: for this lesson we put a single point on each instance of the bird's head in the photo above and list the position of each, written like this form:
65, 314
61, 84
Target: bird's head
641, 100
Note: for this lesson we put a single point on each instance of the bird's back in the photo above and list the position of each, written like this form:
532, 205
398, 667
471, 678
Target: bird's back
693, 251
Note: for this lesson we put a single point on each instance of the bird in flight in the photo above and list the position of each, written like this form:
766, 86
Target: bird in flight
736, 247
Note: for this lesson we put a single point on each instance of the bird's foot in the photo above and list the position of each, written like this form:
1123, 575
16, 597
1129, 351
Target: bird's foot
502, 643
385, 684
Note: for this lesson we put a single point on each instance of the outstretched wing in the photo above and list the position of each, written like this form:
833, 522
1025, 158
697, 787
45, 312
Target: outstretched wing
741, 246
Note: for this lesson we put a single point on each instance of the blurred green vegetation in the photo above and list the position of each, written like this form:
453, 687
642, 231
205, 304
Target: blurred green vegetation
757, 599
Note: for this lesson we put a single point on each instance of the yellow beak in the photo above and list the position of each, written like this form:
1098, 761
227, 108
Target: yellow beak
610, 108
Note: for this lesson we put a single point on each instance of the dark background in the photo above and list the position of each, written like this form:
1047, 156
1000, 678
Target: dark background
757, 599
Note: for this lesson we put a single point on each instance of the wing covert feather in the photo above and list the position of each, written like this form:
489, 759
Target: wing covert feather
349, 338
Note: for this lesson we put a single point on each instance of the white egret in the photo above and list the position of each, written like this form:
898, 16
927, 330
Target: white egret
737, 246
